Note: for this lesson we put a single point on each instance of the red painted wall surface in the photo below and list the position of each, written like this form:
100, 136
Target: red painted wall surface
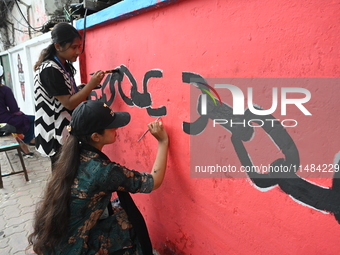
242, 39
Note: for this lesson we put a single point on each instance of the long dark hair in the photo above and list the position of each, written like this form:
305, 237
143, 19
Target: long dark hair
62, 33
53, 211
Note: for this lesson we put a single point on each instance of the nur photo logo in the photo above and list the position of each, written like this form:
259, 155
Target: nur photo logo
239, 99
257, 121
243, 102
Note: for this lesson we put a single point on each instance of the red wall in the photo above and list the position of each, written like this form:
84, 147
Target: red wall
242, 39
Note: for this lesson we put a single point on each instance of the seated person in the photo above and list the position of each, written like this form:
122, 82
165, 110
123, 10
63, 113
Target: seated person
10, 113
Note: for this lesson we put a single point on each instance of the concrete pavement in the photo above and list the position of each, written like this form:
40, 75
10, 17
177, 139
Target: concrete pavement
18, 199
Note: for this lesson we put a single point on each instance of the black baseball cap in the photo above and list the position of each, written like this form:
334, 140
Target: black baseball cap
92, 116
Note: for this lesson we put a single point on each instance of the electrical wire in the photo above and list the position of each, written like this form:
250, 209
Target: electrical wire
68, 15
40, 27
4, 1
9, 42
29, 25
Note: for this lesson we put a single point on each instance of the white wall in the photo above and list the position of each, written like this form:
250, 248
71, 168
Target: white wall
29, 52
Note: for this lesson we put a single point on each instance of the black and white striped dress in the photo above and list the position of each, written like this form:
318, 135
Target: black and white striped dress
51, 117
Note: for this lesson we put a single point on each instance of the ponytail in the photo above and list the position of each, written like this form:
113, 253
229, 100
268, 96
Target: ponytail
53, 211
47, 53
52, 214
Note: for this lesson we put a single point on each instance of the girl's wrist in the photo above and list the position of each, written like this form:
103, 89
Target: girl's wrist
164, 141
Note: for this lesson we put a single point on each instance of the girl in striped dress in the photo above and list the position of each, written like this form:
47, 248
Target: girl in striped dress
55, 91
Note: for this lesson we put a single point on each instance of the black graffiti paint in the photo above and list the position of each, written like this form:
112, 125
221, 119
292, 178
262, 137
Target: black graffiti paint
326, 199
199, 125
136, 98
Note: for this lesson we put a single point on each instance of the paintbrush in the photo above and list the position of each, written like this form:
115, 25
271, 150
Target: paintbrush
146, 131
109, 71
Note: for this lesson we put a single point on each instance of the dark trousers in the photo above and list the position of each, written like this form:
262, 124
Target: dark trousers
29, 135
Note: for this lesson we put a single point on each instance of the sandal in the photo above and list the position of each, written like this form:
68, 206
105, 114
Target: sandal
28, 155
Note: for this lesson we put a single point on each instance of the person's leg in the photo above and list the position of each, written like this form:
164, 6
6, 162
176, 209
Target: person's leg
23, 147
29, 135
24, 127
27, 153
20, 122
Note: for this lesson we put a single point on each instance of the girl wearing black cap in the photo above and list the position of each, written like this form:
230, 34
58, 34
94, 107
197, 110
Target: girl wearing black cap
75, 215
55, 91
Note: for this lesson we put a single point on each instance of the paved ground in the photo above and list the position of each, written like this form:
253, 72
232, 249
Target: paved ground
17, 201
